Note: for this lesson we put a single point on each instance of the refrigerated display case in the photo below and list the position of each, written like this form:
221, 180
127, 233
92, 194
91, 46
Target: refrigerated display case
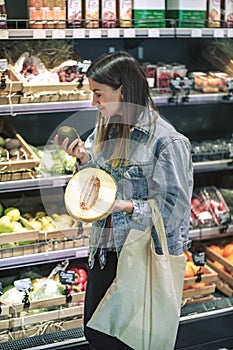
203, 325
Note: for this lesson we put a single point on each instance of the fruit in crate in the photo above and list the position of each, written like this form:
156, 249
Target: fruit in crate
81, 276
13, 213
6, 225
11, 149
42, 221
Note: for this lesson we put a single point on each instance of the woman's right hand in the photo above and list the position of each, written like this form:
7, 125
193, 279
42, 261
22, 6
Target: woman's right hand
76, 149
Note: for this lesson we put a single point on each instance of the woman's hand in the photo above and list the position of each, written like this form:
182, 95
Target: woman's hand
120, 205
76, 149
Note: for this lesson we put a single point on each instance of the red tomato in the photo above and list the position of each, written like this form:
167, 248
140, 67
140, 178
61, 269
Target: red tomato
81, 272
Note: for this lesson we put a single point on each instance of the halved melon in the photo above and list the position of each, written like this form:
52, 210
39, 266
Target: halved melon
90, 194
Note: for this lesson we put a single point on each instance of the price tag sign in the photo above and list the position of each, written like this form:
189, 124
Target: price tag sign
196, 33
39, 34
129, 33
113, 33
23, 284
4, 34
153, 33
219, 33
230, 32
79, 33
58, 34
199, 258
95, 33
67, 277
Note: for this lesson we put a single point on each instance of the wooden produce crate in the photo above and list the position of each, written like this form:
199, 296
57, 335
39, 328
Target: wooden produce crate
224, 269
22, 168
34, 242
17, 322
31, 88
195, 289
13, 82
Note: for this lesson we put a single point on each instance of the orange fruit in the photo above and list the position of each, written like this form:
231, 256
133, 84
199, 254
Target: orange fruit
218, 250
227, 250
218, 265
198, 285
230, 258
189, 271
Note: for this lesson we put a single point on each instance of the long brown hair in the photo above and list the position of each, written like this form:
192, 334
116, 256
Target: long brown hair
115, 70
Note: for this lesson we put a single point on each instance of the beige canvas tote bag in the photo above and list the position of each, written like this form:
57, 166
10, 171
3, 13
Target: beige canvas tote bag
142, 305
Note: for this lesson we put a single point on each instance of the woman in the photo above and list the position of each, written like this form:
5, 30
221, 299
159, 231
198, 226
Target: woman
147, 157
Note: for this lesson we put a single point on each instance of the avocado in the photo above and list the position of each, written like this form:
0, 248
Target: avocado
67, 131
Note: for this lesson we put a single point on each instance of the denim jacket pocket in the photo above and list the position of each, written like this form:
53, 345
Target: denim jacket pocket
139, 177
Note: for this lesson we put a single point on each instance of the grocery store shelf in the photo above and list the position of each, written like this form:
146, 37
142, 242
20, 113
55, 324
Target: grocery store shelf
209, 232
33, 184
84, 33
41, 258
51, 181
50, 107
213, 165
75, 106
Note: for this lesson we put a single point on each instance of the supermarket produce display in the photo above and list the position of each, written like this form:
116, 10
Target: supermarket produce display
43, 250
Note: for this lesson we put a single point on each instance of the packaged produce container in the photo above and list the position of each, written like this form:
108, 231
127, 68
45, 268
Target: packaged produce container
187, 13
214, 13
149, 14
125, 13
109, 13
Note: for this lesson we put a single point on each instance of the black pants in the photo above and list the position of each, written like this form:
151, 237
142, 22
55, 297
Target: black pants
98, 282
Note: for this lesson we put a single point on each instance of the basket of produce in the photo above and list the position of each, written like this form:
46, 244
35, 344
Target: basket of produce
209, 209
35, 304
24, 232
39, 234
220, 258
17, 159
199, 281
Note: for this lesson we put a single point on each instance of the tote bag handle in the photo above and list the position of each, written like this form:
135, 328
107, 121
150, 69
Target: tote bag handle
158, 223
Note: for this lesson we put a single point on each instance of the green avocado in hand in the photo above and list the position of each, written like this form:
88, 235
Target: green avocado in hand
67, 131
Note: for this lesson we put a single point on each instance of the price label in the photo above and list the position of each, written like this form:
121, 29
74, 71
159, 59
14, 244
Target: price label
219, 33
39, 34
67, 277
95, 33
153, 33
4, 34
129, 33
79, 33
230, 32
199, 258
23, 284
113, 33
58, 34
196, 33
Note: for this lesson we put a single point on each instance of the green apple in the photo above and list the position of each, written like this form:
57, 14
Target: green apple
13, 213
5, 224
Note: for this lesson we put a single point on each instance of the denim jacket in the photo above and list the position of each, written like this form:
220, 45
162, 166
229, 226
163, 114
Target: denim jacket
161, 171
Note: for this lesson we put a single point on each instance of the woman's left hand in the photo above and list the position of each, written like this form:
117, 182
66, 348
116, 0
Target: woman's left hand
120, 205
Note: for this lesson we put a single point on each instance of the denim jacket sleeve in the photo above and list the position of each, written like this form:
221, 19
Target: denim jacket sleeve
171, 187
